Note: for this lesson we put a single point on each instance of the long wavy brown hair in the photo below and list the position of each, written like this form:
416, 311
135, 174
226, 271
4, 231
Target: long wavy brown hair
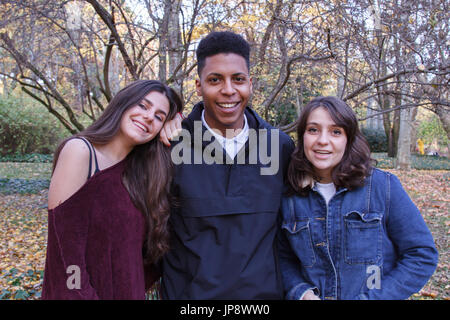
356, 163
148, 172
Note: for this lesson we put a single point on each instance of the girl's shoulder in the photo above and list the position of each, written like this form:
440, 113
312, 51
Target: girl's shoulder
74, 156
75, 147
385, 181
377, 173
288, 200
70, 173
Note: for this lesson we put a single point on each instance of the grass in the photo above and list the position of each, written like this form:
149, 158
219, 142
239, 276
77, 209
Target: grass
24, 178
25, 170
420, 162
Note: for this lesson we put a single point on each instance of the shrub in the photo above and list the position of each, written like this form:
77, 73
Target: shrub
32, 157
430, 129
376, 138
284, 114
420, 162
27, 127
22, 186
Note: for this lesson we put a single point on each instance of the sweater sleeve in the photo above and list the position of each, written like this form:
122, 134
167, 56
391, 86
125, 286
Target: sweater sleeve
417, 254
66, 276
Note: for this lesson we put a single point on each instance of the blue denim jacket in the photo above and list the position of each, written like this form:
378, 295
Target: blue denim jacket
369, 243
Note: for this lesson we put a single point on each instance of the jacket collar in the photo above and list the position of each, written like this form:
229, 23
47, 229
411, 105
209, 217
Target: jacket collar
254, 120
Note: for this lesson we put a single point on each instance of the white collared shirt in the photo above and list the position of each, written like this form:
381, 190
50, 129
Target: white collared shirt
233, 145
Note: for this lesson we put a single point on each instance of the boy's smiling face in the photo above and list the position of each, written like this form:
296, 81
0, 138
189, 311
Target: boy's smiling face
225, 86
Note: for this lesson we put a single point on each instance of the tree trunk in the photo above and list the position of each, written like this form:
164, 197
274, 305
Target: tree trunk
403, 161
395, 129
163, 30
174, 44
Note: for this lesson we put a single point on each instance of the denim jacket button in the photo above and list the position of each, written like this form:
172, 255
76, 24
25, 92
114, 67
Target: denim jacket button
321, 244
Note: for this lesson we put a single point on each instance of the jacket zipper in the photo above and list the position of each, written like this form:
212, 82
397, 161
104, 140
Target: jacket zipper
228, 178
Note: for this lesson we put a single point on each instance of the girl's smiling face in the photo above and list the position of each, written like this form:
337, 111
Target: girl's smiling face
142, 123
324, 143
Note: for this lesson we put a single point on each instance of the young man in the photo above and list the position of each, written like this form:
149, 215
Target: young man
224, 226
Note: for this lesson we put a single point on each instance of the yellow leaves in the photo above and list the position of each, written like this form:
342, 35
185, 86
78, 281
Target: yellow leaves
23, 230
431, 294
249, 19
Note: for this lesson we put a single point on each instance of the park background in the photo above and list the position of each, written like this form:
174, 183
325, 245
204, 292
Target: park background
62, 61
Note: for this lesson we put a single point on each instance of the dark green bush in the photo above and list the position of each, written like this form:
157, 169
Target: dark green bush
376, 138
420, 162
32, 157
426, 162
22, 186
27, 127
285, 113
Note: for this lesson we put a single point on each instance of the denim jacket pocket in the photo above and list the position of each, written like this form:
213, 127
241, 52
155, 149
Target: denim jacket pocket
362, 237
299, 236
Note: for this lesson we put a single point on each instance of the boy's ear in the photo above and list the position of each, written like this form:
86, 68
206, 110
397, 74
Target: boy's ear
251, 85
198, 87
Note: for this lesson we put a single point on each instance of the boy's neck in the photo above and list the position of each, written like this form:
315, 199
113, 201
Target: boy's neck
228, 133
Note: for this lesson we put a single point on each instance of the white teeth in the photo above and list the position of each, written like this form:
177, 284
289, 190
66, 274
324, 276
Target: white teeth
227, 105
323, 152
140, 126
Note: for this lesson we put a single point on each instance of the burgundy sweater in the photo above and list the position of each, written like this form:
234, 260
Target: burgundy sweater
100, 233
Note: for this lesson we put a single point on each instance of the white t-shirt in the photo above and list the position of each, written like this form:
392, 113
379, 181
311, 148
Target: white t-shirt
327, 190
233, 145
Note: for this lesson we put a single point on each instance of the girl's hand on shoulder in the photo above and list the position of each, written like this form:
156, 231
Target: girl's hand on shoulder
70, 172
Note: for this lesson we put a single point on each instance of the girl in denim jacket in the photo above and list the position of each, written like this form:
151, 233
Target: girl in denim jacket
349, 230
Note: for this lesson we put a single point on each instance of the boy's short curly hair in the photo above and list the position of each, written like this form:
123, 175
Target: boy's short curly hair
222, 42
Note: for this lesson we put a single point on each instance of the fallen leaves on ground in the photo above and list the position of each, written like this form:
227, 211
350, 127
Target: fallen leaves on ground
430, 192
23, 235
23, 240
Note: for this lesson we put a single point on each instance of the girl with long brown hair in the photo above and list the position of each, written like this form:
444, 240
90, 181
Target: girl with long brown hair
109, 200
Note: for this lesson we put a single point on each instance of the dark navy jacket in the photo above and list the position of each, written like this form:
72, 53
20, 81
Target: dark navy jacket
223, 231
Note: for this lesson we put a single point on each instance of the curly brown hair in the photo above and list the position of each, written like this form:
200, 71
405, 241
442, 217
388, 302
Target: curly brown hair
356, 164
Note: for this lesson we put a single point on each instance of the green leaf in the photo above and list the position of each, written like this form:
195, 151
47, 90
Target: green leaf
21, 295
